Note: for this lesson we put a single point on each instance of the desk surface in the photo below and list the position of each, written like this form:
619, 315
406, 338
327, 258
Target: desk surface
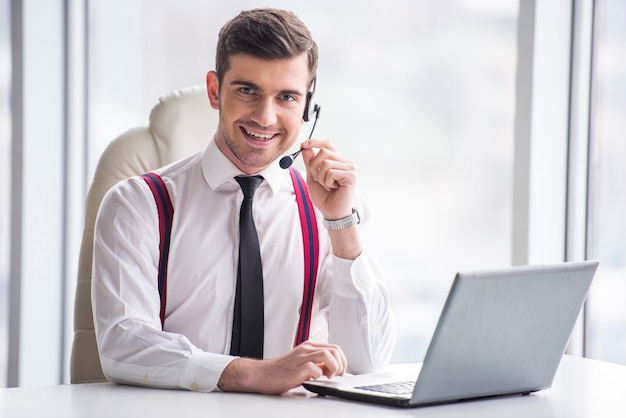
582, 388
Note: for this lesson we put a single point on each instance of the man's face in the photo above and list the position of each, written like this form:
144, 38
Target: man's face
261, 103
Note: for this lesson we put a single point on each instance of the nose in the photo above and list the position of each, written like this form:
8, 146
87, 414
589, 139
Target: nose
264, 113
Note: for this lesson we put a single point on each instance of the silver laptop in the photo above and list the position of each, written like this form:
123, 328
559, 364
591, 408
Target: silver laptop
501, 332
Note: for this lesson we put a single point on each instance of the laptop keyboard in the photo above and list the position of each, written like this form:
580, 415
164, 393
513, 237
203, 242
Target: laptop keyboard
395, 388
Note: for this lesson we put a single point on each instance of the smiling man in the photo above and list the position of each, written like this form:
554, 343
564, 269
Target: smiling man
235, 250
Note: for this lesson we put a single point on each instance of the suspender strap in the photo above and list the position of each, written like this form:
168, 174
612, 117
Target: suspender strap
166, 213
310, 242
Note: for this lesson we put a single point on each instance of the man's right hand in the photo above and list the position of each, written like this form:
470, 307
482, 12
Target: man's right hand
307, 361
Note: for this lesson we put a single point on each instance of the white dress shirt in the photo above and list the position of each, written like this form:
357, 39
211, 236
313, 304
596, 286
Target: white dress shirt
191, 350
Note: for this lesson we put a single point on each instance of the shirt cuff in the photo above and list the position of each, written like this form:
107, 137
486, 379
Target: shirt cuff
353, 279
203, 371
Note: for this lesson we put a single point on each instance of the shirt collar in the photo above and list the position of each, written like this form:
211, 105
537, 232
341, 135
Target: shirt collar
218, 169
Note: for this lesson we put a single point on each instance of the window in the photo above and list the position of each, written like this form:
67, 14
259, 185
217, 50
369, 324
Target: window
606, 315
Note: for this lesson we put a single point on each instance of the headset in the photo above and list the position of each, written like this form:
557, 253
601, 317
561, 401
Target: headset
309, 113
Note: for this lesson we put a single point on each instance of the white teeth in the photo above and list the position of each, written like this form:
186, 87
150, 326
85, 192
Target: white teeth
261, 137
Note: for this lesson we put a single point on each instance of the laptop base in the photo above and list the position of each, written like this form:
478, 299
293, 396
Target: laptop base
324, 391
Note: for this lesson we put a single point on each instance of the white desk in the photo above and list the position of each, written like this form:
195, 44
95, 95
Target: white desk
582, 388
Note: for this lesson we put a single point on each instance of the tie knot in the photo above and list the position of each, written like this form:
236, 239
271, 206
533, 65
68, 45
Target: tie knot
249, 184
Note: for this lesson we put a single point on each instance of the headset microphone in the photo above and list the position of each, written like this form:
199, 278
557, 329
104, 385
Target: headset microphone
287, 160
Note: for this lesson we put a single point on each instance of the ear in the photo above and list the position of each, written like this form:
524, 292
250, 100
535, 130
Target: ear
213, 88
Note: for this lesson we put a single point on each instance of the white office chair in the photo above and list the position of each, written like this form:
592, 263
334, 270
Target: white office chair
180, 125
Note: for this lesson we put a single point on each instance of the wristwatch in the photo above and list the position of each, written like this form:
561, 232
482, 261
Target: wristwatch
341, 223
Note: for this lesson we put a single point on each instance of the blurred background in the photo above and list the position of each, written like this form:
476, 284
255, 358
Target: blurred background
426, 97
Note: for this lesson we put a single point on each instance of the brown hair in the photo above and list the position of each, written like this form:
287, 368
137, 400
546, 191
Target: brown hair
267, 34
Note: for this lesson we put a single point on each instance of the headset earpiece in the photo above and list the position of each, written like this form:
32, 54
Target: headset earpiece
307, 105
309, 110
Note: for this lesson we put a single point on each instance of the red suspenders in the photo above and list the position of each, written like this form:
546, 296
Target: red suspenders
310, 241
166, 213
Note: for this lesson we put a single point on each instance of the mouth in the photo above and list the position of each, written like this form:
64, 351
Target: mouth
263, 137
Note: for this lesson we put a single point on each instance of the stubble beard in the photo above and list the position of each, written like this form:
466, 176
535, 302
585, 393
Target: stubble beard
253, 158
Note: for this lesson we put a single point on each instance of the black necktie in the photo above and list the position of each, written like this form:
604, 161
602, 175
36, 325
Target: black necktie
248, 317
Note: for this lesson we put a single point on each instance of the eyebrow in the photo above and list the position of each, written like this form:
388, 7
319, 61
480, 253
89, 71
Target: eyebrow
256, 87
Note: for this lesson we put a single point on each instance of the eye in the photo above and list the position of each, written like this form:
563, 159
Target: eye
246, 90
287, 98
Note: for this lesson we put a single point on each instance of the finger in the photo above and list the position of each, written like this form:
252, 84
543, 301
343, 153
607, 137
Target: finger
321, 355
334, 363
327, 362
312, 371
314, 161
318, 143
332, 175
307, 158
341, 359
333, 349
327, 159
325, 156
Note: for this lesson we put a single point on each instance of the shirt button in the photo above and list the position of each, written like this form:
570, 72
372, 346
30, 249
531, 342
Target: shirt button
194, 386
145, 378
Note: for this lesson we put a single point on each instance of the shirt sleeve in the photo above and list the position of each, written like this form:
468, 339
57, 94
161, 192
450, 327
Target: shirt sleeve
360, 319
133, 348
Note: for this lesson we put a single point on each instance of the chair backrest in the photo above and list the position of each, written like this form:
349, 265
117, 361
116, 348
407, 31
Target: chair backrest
180, 124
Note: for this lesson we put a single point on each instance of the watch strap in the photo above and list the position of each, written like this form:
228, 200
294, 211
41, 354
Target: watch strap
341, 223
